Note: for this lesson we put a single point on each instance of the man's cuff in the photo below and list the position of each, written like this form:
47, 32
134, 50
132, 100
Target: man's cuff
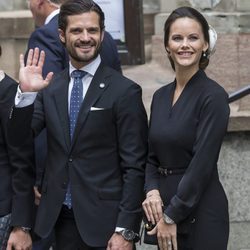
24, 99
119, 229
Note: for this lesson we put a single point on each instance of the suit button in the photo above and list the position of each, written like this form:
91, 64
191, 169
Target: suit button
192, 221
70, 160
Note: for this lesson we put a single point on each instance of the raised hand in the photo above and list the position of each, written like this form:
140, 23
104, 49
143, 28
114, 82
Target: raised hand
30, 76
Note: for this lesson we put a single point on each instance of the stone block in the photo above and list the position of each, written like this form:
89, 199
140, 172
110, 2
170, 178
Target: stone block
151, 6
244, 68
204, 4
239, 236
11, 49
242, 5
243, 22
235, 174
16, 24
168, 6
225, 6
223, 22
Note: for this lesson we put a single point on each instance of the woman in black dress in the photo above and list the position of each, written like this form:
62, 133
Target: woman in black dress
189, 117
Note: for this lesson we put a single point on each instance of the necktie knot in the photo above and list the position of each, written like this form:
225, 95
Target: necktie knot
78, 74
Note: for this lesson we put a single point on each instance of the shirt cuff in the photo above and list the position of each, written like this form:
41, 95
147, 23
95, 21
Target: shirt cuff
24, 99
119, 229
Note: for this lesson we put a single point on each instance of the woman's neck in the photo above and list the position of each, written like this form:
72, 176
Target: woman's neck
183, 75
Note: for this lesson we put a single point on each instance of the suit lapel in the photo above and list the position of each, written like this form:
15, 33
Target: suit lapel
97, 87
61, 100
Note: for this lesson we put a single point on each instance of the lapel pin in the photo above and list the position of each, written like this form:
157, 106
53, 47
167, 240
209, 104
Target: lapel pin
102, 85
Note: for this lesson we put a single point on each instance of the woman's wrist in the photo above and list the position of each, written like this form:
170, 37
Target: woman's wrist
153, 192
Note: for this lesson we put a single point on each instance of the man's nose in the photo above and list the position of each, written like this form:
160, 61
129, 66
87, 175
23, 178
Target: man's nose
85, 35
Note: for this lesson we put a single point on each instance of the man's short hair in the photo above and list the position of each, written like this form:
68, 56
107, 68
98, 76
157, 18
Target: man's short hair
77, 7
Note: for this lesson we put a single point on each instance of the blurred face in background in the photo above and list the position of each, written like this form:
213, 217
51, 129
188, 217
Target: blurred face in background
35, 7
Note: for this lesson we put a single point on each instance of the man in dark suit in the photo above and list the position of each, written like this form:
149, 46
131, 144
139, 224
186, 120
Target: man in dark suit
46, 37
16, 179
93, 184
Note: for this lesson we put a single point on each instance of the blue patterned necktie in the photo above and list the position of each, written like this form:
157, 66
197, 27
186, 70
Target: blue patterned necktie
76, 98
75, 104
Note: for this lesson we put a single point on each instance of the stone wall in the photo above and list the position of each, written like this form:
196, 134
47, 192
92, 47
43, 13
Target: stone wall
8, 5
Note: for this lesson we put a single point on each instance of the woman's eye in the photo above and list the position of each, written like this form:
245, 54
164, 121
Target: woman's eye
193, 38
176, 38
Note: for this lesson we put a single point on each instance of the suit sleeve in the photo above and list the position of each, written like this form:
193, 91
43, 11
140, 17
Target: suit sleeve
152, 175
210, 132
22, 177
109, 53
131, 122
56, 58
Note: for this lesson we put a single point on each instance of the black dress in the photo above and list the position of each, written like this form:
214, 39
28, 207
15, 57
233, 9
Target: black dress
188, 136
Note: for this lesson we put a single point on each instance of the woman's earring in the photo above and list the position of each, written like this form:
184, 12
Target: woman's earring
204, 54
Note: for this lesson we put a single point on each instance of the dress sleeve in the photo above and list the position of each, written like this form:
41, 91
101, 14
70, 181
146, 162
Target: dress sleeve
213, 120
151, 175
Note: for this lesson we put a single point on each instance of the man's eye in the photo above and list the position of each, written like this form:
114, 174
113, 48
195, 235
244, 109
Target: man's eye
92, 31
76, 31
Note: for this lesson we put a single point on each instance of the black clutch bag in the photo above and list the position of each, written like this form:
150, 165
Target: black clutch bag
5, 229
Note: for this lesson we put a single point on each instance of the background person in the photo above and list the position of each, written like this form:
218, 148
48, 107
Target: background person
16, 179
189, 118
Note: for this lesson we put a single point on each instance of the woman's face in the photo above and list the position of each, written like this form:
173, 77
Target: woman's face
186, 43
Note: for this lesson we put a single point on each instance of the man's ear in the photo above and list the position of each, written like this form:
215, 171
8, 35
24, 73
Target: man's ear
40, 2
61, 35
102, 34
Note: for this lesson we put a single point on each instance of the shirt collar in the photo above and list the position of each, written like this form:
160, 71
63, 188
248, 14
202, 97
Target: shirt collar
2, 75
51, 15
90, 68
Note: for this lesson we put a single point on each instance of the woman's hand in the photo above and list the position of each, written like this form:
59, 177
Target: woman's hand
166, 235
152, 206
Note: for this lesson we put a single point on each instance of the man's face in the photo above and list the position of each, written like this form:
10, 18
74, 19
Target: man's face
82, 38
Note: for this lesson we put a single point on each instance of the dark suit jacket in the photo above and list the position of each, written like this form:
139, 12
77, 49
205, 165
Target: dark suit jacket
105, 161
16, 173
47, 38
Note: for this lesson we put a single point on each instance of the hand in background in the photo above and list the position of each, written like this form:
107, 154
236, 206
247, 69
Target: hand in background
19, 240
30, 76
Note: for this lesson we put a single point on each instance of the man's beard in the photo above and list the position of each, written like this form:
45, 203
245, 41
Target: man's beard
83, 58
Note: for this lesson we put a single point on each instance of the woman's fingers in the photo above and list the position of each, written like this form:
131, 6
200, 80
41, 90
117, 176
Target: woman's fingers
174, 242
